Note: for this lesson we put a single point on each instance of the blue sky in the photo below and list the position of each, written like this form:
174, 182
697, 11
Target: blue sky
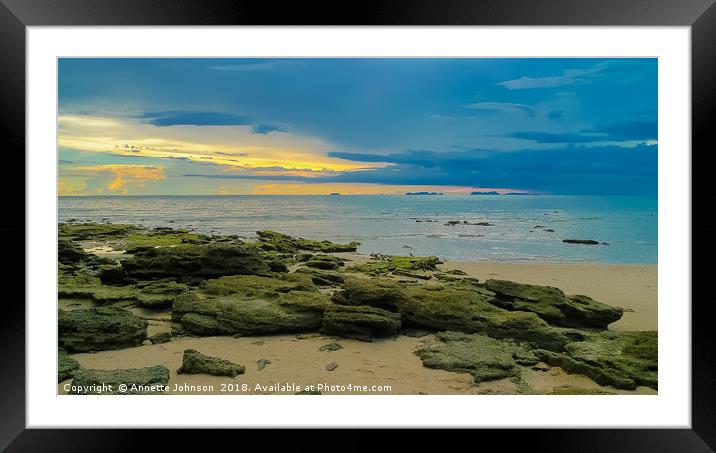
242, 126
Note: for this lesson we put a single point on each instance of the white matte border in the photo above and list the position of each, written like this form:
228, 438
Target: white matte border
670, 408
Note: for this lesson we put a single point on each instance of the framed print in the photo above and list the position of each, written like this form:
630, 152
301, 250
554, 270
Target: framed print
370, 224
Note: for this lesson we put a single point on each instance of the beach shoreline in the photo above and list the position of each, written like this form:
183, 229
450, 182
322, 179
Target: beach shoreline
289, 359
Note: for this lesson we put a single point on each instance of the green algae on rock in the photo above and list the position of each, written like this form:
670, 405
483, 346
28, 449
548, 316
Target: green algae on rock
360, 322
321, 278
129, 381
212, 260
159, 293
251, 309
251, 286
458, 307
66, 366
194, 362
385, 264
552, 305
619, 359
483, 357
325, 262
274, 241
100, 328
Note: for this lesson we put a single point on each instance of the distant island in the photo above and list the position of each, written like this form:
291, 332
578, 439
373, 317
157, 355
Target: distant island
334, 193
423, 193
497, 193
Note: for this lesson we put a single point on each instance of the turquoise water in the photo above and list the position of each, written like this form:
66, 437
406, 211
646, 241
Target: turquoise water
387, 224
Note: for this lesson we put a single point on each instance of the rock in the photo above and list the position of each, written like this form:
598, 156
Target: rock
113, 275
415, 333
84, 286
460, 307
360, 322
549, 230
552, 305
251, 305
139, 381
251, 286
194, 362
384, 264
483, 357
262, 363
164, 337
417, 275
331, 366
330, 347
100, 328
620, 359
322, 278
580, 241
326, 262
212, 260
159, 294
308, 392
68, 252
66, 366
271, 240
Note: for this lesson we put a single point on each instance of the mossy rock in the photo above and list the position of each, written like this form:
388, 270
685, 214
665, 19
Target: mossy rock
619, 359
159, 294
159, 338
100, 328
251, 286
194, 362
66, 366
485, 358
360, 322
385, 264
552, 305
325, 262
95, 231
209, 261
84, 286
69, 253
295, 311
322, 278
279, 242
458, 307
139, 381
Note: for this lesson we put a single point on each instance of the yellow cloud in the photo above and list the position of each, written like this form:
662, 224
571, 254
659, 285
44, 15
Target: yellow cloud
234, 147
117, 177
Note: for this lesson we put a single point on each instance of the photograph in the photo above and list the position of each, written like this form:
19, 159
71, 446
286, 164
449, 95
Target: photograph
357, 226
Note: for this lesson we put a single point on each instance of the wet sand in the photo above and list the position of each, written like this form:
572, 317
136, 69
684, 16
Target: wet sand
388, 362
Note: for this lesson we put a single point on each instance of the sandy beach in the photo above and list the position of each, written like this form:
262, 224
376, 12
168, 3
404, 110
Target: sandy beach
296, 360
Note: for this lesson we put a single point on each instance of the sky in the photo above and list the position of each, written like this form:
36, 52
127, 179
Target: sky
356, 126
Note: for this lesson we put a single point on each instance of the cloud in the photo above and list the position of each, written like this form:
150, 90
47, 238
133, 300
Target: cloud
268, 128
505, 107
114, 178
616, 132
583, 76
566, 170
227, 146
192, 118
265, 66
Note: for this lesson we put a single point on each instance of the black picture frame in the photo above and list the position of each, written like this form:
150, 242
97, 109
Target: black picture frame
700, 15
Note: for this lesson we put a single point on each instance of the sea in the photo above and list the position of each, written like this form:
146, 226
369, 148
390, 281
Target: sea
522, 228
